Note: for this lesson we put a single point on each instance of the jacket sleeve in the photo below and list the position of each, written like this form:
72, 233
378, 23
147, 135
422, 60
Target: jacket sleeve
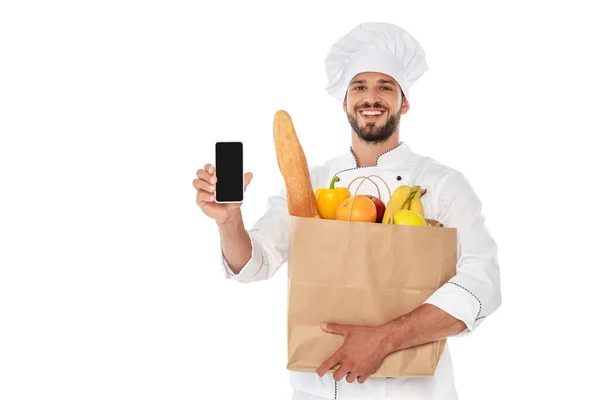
474, 292
269, 239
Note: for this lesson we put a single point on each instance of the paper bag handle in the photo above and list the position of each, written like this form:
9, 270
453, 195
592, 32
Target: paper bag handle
368, 178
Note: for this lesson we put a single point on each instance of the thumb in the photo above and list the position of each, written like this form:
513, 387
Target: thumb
334, 328
247, 179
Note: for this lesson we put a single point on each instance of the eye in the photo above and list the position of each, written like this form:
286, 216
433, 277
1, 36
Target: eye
359, 87
384, 88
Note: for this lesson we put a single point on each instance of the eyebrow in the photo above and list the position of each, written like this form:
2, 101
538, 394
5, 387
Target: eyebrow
380, 81
357, 81
383, 81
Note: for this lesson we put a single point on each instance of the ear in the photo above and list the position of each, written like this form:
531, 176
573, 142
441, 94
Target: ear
344, 104
405, 105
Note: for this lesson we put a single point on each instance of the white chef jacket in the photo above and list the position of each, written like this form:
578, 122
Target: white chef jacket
470, 296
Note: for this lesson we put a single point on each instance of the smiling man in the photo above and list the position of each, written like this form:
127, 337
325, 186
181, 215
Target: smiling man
371, 71
371, 97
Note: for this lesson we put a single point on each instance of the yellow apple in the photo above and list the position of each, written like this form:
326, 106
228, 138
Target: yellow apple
408, 217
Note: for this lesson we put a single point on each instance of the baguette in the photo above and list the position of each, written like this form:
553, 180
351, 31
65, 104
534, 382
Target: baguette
292, 164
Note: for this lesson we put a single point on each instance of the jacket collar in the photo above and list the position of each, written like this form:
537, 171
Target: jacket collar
394, 156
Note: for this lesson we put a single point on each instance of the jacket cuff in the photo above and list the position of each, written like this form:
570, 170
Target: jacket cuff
250, 269
459, 302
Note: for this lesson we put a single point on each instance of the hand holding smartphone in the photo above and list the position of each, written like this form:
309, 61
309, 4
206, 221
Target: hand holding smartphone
229, 170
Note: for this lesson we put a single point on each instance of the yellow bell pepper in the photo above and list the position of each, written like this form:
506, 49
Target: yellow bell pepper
328, 199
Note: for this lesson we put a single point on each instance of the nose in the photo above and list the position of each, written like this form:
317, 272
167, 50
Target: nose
372, 96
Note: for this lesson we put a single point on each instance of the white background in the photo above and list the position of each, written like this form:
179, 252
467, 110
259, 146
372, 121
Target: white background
110, 282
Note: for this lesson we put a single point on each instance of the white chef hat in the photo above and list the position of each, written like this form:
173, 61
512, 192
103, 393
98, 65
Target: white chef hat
374, 47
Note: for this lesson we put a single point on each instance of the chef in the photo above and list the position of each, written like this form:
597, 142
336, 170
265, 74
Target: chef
371, 71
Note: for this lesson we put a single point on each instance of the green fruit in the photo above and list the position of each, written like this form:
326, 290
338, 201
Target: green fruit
408, 217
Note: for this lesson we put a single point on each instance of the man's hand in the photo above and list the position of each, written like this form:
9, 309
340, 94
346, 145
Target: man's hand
359, 356
205, 184
365, 347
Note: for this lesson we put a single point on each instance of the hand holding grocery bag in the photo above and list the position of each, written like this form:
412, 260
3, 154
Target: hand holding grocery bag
365, 347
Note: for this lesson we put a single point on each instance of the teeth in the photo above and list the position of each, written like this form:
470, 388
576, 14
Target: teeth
371, 112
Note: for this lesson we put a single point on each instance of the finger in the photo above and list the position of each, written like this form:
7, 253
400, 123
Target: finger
202, 198
351, 377
328, 364
363, 377
209, 168
247, 179
344, 368
330, 327
202, 174
204, 185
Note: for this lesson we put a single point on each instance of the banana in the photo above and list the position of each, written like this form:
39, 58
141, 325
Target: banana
399, 198
413, 191
416, 204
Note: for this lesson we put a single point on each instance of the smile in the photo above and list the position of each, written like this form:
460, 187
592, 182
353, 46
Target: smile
371, 115
371, 112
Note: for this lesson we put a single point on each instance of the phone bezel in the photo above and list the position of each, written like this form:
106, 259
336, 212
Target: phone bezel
216, 172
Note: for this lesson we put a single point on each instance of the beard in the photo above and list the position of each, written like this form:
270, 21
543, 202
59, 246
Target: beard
370, 132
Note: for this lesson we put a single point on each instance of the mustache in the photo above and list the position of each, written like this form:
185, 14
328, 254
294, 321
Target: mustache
369, 105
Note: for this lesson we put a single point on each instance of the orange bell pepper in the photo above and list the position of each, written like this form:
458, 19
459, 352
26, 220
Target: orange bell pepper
328, 199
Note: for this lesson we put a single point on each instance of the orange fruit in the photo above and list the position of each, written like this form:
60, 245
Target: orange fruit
363, 210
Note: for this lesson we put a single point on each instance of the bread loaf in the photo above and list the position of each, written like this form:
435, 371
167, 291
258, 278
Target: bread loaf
292, 164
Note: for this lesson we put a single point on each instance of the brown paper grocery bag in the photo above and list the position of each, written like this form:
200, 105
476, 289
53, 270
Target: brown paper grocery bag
367, 274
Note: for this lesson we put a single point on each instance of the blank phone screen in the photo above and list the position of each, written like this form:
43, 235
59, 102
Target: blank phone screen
229, 171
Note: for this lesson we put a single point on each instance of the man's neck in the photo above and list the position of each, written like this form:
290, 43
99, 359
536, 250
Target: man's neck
366, 153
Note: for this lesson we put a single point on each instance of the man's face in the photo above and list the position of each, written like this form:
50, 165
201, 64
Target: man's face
373, 104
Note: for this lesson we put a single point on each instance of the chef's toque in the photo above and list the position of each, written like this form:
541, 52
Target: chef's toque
374, 47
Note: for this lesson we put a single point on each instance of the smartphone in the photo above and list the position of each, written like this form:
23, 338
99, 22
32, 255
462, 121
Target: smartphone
229, 170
